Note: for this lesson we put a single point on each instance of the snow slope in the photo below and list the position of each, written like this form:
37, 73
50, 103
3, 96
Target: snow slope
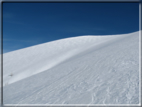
78, 70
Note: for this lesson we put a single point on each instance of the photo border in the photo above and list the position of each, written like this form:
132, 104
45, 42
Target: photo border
73, 1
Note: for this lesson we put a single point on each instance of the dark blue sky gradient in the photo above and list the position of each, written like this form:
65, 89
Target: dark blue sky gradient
28, 24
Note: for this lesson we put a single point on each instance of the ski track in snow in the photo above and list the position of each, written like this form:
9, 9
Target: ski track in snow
80, 70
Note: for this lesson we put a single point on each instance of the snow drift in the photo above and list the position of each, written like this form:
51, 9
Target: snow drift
78, 70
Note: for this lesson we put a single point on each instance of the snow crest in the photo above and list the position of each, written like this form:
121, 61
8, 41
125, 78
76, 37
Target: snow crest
78, 70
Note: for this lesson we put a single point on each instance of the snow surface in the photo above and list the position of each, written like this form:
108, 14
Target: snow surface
78, 70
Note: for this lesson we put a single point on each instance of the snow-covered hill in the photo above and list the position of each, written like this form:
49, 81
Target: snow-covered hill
78, 70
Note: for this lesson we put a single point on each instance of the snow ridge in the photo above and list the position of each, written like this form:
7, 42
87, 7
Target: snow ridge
78, 70
35, 59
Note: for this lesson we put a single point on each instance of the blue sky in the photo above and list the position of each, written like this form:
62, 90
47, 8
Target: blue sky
28, 24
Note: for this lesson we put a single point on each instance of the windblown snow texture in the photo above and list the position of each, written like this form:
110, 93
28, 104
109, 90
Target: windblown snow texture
78, 70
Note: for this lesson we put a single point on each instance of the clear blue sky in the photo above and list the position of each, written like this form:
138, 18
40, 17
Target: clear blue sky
28, 24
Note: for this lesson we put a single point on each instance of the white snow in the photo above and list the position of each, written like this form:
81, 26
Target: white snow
78, 70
